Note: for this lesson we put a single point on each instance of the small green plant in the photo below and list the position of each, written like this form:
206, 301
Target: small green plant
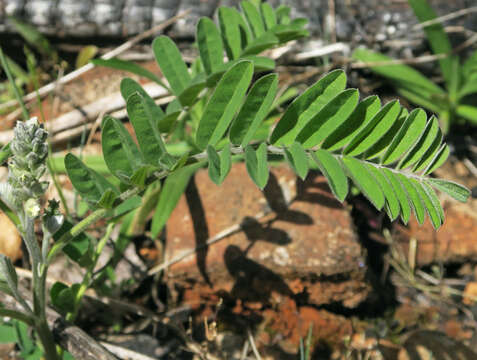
221, 113
453, 103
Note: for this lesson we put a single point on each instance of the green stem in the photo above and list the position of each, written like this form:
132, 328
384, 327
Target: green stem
39, 271
27, 319
71, 316
93, 217
47, 340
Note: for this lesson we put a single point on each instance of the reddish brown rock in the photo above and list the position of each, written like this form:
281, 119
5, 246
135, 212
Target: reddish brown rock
455, 241
308, 249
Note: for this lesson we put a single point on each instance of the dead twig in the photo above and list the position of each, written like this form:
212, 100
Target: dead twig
446, 17
89, 113
113, 53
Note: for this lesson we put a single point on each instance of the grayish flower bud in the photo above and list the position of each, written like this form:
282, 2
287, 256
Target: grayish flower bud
27, 165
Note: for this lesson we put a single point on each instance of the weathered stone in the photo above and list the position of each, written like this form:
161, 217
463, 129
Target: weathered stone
307, 249
455, 241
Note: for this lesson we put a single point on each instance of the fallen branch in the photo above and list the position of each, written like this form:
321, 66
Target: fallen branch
113, 53
88, 114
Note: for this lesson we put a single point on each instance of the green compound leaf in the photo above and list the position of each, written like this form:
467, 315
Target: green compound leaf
89, 184
439, 159
414, 198
253, 17
392, 203
364, 180
254, 110
171, 63
408, 134
434, 199
360, 117
332, 170
119, 150
400, 194
422, 145
256, 164
432, 209
211, 49
223, 104
141, 115
129, 86
328, 119
297, 157
306, 106
268, 15
229, 22
374, 130
219, 164
454, 190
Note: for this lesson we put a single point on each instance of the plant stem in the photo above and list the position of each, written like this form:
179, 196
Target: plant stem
89, 274
39, 271
47, 340
17, 315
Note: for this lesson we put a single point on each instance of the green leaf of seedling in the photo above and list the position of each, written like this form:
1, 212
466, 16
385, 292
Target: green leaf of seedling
223, 104
328, 119
468, 112
413, 197
268, 15
439, 159
436, 36
297, 157
331, 168
89, 184
210, 45
365, 181
229, 21
63, 297
256, 46
392, 202
422, 145
400, 194
171, 63
283, 14
431, 208
129, 86
306, 106
253, 17
375, 129
141, 115
254, 110
219, 164
408, 134
119, 150
454, 190
256, 164
347, 130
